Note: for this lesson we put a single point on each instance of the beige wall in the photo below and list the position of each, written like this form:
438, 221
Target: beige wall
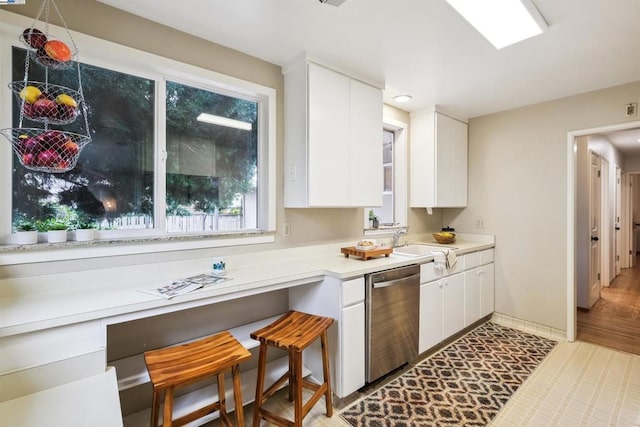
517, 184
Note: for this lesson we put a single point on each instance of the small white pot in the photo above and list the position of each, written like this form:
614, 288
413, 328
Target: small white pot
26, 237
57, 236
84, 234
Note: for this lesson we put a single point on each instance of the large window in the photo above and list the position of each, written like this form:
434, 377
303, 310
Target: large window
112, 184
211, 160
174, 149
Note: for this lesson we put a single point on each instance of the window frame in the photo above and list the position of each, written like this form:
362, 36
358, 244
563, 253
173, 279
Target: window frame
109, 55
400, 179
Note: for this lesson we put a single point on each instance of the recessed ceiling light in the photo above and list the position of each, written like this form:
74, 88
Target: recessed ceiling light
502, 22
402, 98
224, 121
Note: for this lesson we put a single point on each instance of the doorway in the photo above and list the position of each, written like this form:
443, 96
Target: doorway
576, 239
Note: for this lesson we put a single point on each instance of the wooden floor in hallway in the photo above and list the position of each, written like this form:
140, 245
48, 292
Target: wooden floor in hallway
614, 320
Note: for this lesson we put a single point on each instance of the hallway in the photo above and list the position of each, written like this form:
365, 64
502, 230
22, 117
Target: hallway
614, 321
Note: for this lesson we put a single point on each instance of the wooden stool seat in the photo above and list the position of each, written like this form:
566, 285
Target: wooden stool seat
293, 332
184, 364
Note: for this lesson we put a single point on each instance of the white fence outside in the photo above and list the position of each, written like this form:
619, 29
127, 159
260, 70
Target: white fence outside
176, 223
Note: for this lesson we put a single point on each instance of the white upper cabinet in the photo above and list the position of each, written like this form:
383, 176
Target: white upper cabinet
333, 139
438, 161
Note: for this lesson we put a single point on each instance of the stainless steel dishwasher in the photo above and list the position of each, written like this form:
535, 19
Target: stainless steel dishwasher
392, 304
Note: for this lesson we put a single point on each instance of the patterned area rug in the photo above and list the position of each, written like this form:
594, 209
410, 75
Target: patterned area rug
465, 384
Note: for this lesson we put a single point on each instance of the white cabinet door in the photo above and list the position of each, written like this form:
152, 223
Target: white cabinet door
471, 296
478, 293
333, 139
438, 161
451, 162
430, 331
487, 292
452, 304
328, 134
365, 145
352, 350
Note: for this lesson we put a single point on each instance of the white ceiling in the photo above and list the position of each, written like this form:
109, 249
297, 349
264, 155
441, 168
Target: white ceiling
423, 47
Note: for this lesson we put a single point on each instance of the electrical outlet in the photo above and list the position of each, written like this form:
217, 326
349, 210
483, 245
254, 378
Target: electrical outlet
631, 109
478, 223
286, 229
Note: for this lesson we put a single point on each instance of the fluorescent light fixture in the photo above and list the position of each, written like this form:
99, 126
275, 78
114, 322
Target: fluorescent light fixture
224, 121
502, 22
402, 98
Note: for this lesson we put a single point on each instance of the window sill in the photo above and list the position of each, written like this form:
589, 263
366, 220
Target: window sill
383, 231
44, 252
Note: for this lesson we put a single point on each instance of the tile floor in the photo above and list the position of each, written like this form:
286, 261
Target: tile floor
578, 384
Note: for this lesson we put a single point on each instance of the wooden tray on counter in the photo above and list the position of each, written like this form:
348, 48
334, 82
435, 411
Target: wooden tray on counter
365, 255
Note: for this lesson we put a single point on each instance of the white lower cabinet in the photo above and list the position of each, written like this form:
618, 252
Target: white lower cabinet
455, 299
452, 309
353, 349
478, 293
343, 301
441, 313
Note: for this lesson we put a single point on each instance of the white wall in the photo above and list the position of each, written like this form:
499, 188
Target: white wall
518, 185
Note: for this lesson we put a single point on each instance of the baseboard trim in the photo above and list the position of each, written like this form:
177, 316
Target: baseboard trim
530, 327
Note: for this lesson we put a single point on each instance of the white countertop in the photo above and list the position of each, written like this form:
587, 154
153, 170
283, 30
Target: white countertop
112, 294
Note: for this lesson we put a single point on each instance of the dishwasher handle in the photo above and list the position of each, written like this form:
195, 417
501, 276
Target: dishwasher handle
376, 285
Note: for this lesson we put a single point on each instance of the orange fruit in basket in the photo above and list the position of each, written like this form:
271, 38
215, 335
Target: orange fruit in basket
55, 49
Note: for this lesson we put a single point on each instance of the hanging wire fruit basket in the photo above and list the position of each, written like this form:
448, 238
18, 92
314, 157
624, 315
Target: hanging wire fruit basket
46, 102
45, 149
46, 49
41, 150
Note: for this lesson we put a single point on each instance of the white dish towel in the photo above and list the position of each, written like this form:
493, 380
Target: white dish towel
439, 260
444, 259
451, 258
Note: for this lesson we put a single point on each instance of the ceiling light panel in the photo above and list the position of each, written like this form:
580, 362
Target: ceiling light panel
502, 22
224, 121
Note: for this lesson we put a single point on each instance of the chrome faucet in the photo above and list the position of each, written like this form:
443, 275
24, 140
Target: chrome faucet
396, 237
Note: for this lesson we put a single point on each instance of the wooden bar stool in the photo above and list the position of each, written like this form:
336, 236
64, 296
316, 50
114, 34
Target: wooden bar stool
293, 332
185, 364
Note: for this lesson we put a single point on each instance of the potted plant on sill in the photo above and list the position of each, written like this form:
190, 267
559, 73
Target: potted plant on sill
56, 230
26, 232
85, 230
372, 218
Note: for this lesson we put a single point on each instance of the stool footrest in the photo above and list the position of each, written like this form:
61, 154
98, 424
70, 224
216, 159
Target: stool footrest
275, 386
197, 414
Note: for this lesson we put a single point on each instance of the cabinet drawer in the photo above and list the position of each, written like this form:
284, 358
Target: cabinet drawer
429, 273
486, 256
352, 291
472, 260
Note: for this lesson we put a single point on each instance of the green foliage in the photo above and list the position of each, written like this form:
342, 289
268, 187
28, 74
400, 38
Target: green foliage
25, 225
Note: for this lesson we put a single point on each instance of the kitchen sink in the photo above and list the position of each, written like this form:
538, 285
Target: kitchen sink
418, 250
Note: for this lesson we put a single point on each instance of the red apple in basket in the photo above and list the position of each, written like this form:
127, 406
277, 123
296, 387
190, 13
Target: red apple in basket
67, 112
45, 107
31, 145
28, 159
54, 139
28, 110
48, 158
34, 37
